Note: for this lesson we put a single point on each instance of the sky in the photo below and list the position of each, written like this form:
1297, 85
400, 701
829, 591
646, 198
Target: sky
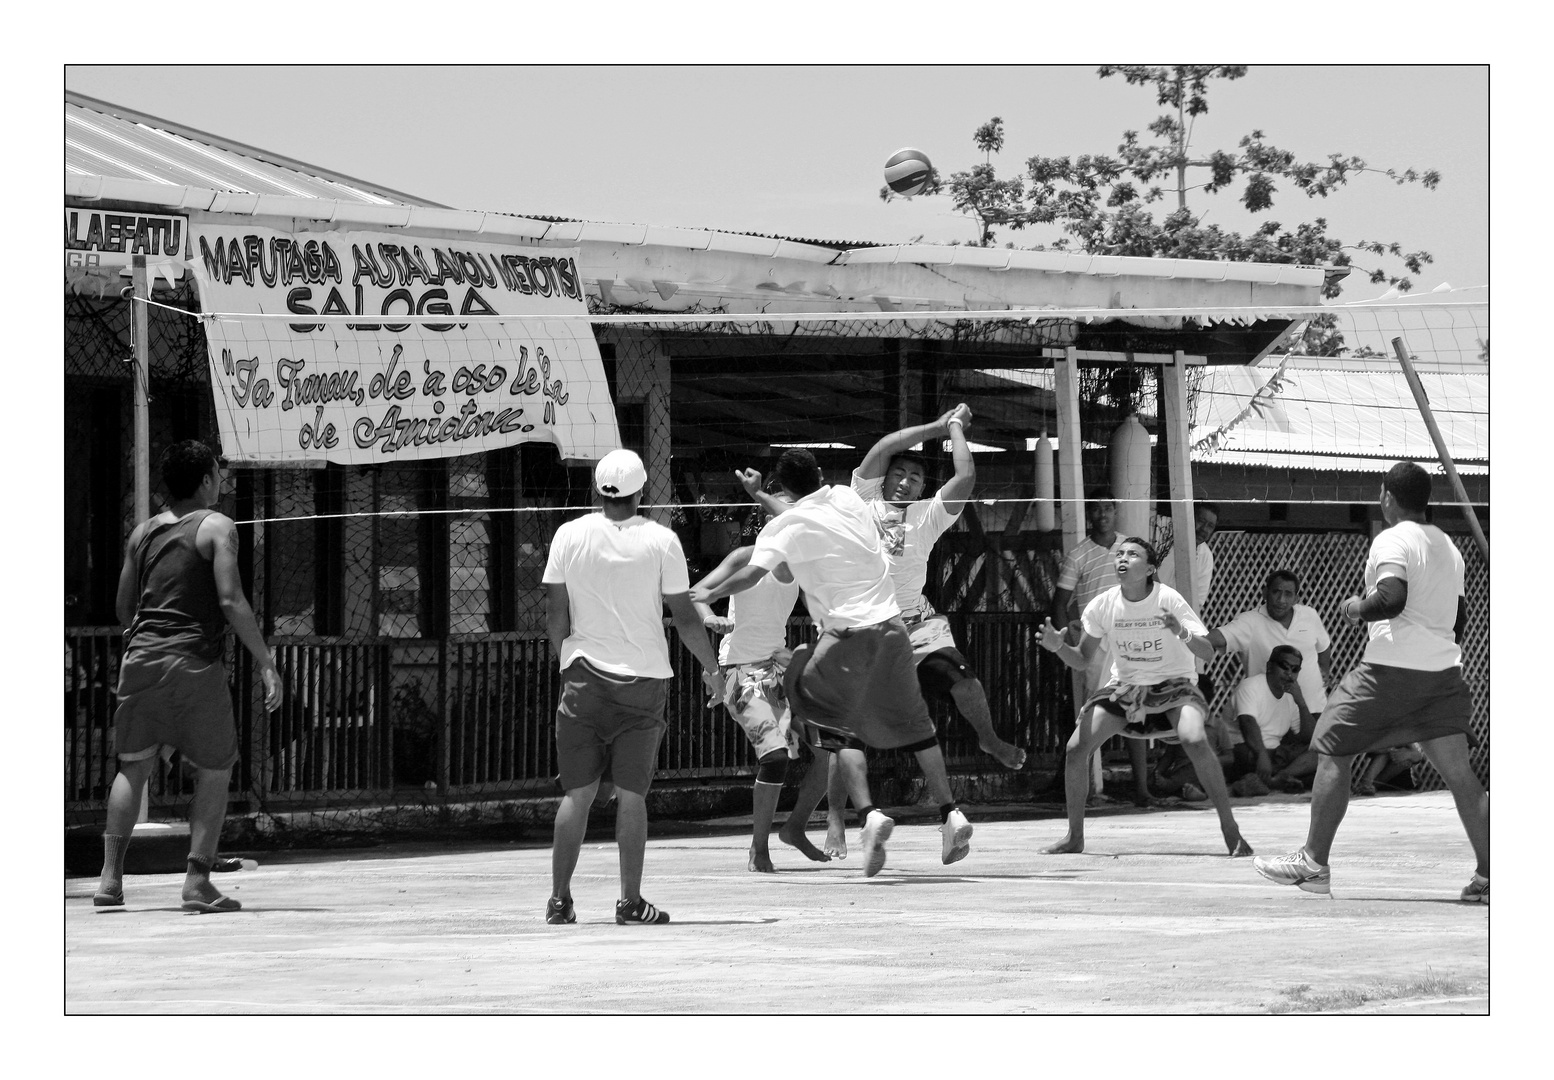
799, 150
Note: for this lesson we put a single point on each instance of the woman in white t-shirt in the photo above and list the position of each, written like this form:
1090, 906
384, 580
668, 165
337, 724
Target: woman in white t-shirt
1153, 689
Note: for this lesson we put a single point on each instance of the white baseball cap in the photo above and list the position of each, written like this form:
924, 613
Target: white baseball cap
619, 473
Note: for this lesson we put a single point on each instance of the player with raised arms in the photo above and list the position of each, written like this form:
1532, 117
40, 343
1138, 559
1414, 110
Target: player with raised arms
1153, 690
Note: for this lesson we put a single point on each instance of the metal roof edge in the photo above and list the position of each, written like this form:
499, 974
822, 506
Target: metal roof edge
270, 157
92, 188
1062, 262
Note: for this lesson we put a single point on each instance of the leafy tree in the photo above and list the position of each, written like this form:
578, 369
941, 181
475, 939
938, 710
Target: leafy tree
1108, 204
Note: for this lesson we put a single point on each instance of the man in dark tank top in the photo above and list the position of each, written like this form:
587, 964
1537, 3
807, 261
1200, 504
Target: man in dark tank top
179, 590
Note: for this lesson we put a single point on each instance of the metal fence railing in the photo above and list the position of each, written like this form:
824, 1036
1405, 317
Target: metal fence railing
371, 721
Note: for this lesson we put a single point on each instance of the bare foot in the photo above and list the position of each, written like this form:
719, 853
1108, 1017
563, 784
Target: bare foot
1009, 755
836, 839
1066, 846
761, 862
796, 838
1238, 847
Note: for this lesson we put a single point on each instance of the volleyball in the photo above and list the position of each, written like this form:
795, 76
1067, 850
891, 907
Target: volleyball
907, 171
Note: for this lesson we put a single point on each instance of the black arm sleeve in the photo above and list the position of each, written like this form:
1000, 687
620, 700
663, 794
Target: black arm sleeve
1461, 625
1388, 601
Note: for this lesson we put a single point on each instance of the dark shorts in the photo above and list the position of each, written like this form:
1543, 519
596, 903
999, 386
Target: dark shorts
608, 725
1377, 707
938, 672
172, 700
1145, 707
861, 683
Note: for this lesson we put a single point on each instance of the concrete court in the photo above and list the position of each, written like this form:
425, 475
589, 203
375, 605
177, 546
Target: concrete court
1152, 918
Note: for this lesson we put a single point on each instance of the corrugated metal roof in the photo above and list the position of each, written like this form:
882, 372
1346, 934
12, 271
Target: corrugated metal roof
1360, 414
105, 140
115, 154
1333, 462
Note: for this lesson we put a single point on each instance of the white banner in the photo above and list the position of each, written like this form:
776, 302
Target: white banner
371, 391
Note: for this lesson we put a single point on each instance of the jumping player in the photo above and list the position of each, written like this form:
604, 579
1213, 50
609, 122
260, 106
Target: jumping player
891, 479
1408, 687
855, 686
1153, 691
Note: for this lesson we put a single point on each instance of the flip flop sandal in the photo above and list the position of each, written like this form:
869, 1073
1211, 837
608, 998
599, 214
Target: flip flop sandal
211, 907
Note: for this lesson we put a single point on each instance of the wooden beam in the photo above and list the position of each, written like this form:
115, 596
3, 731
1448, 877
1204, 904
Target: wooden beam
1094, 356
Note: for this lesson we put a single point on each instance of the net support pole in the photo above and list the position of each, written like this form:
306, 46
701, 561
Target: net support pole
1423, 402
140, 372
141, 362
1173, 381
1070, 471
1071, 480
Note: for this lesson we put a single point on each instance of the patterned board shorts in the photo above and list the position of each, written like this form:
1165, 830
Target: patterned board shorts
754, 697
1145, 707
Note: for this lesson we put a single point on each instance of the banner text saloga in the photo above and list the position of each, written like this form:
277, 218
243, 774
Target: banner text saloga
415, 276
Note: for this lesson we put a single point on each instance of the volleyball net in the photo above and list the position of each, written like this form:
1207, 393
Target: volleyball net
396, 498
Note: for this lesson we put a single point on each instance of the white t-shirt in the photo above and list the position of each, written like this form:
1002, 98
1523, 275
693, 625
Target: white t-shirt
1144, 652
617, 574
1274, 716
908, 537
829, 541
760, 615
1202, 577
1420, 637
1254, 634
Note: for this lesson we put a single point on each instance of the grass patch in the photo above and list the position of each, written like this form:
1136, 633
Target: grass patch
1301, 998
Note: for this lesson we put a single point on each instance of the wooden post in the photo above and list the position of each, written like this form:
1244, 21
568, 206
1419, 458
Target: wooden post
1071, 493
140, 342
140, 377
1440, 445
1173, 383
1071, 479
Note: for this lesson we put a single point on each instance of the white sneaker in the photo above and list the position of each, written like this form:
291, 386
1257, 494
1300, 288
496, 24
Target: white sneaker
1296, 868
956, 831
876, 830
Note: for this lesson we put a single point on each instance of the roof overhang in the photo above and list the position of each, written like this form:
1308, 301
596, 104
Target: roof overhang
672, 270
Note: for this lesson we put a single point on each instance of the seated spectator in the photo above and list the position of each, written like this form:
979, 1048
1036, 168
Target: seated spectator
1275, 727
1386, 765
1280, 620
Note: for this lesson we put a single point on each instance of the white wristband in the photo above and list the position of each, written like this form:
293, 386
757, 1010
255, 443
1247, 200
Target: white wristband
955, 421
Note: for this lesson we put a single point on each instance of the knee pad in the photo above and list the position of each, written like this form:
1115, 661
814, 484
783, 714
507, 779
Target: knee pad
774, 771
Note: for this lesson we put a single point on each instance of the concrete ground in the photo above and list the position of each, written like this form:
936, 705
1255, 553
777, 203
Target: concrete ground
1151, 918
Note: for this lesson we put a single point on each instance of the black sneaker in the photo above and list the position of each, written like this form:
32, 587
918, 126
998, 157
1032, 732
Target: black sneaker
639, 911
558, 912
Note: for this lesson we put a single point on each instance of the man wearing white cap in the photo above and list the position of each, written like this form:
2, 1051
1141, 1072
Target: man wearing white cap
607, 580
